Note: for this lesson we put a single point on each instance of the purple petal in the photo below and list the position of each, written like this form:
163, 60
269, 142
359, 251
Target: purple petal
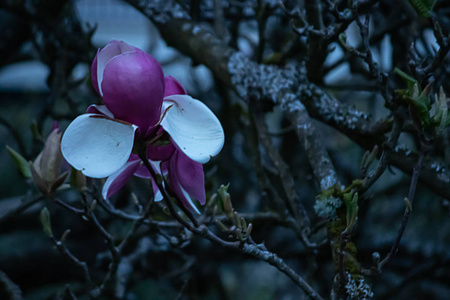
160, 152
191, 177
102, 58
173, 87
111, 50
133, 88
180, 192
55, 126
117, 180
142, 172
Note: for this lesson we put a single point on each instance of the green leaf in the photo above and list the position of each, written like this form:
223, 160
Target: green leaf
418, 99
410, 81
21, 162
421, 104
423, 7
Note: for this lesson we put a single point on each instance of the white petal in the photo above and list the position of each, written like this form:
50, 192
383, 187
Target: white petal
158, 195
94, 108
97, 146
156, 165
193, 127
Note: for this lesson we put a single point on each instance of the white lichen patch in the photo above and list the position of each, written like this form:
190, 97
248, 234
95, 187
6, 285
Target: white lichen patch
328, 181
341, 114
162, 11
254, 80
285, 86
326, 207
402, 148
437, 167
293, 105
358, 289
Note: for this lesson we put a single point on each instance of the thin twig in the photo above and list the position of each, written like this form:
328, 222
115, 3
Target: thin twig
278, 263
410, 201
251, 249
136, 225
115, 252
18, 210
93, 292
69, 207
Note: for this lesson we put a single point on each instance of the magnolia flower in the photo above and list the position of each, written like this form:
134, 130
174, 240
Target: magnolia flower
141, 105
185, 176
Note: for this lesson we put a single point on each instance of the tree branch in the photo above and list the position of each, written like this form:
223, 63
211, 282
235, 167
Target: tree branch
247, 248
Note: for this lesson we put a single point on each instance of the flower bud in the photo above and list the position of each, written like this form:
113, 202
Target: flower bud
46, 168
